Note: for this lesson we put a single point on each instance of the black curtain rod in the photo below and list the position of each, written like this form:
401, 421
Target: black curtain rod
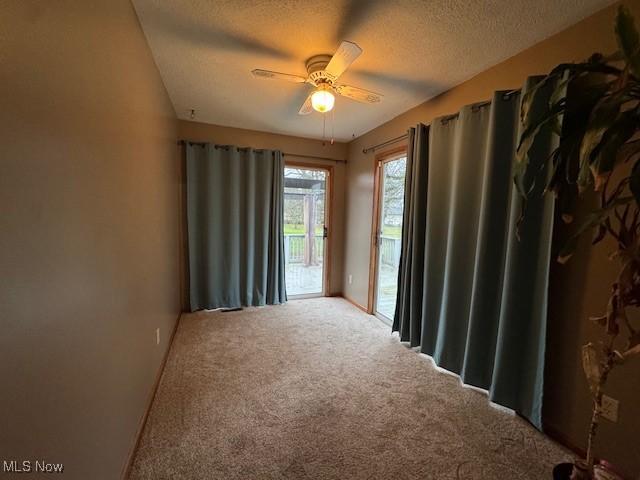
475, 107
384, 144
314, 157
286, 154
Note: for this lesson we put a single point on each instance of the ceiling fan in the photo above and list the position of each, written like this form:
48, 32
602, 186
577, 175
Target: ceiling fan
323, 73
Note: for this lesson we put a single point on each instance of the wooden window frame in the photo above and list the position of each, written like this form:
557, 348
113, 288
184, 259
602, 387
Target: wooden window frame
379, 161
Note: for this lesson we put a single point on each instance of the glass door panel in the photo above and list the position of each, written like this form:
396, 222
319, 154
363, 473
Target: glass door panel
389, 235
304, 230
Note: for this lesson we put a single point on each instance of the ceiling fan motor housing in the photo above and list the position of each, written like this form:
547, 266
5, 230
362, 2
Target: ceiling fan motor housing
316, 69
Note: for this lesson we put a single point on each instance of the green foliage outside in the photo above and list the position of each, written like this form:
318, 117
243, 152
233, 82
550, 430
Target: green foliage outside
394, 231
297, 229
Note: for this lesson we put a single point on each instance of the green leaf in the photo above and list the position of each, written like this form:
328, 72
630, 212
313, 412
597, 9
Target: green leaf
560, 91
584, 176
556, 125
593, 219
556, 174
529, 96
526, 142
584, 93
628, 39
605, 155
602, 118
567, 72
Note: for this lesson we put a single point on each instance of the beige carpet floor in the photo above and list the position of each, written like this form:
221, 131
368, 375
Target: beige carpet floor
316, 389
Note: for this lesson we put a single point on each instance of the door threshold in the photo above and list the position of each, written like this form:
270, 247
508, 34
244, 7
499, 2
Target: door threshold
383, 318
304, 296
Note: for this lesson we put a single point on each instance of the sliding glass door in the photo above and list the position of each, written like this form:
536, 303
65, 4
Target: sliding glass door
305, 230
390, 201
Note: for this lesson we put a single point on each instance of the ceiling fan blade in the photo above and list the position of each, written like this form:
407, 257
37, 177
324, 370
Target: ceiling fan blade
358, 94
278, 76
306, 108
346, 54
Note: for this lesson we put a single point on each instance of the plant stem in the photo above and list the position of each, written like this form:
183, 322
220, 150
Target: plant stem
595, 417
597, 406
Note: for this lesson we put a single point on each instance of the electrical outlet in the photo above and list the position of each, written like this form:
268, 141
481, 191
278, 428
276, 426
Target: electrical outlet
610, 408
157, 336
350, 279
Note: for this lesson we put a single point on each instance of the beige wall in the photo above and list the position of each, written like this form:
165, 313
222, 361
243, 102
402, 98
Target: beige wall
203, 132
89, 243
89, 189
579, 290
567, 403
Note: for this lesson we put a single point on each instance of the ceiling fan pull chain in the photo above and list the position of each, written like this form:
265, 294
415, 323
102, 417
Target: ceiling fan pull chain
324, 125
332, 125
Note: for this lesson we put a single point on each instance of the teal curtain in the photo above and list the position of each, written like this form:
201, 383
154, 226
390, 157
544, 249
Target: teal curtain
235, 226
482, 309
408, 314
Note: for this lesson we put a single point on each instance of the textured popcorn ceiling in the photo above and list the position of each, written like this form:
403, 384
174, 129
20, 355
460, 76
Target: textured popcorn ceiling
413, 50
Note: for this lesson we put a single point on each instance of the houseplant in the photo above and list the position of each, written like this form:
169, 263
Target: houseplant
594, 107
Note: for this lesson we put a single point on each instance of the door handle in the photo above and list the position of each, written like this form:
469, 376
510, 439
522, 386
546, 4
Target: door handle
325, 232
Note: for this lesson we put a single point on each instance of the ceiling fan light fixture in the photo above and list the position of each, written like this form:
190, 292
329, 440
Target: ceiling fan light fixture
322, 100
323, 72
